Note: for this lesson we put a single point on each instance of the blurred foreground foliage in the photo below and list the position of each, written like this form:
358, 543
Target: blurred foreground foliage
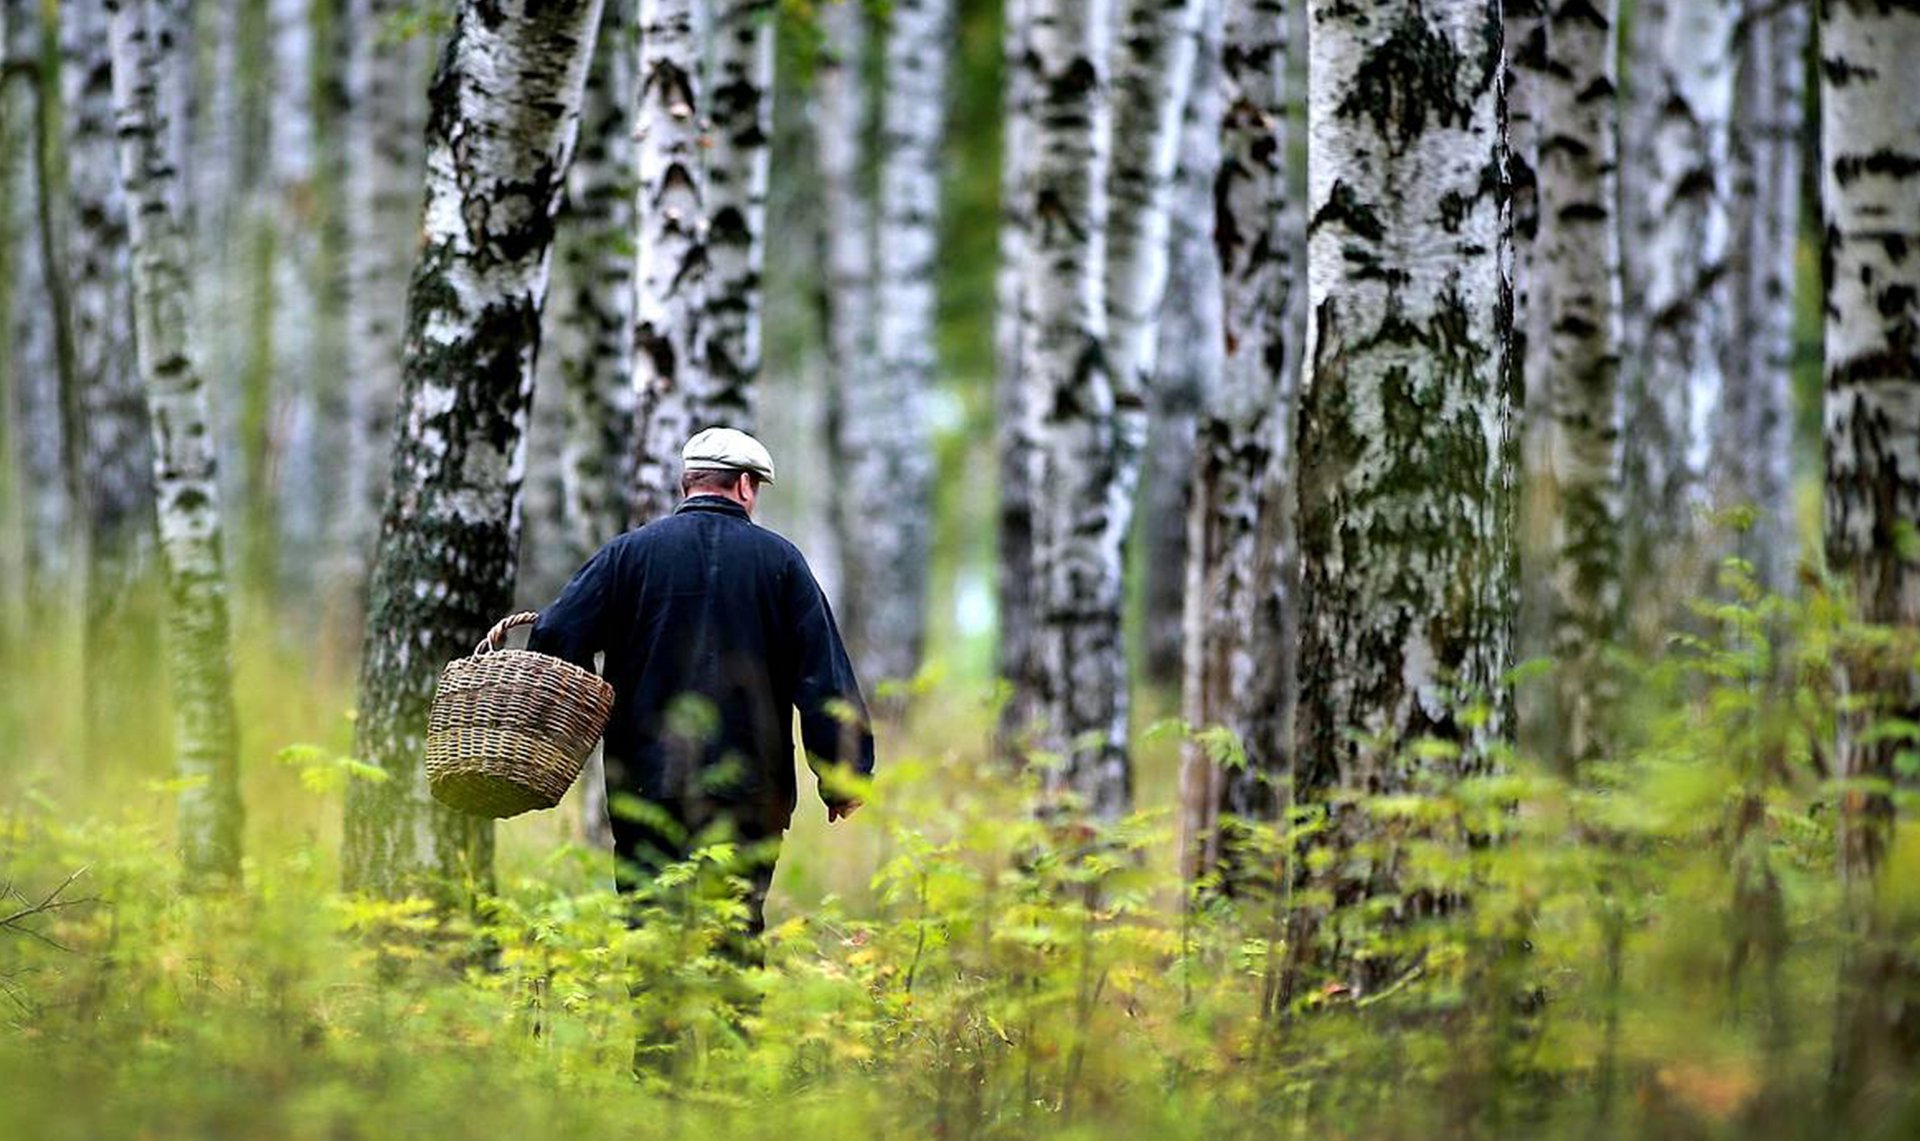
1652, 945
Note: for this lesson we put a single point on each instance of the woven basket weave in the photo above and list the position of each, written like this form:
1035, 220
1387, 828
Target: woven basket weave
510, 730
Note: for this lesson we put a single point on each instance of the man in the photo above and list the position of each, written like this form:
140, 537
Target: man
714, 631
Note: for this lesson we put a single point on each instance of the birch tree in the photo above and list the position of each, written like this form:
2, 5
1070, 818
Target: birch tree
596, 304
144, 33
1014, 577
1189, 360
1405, 450
16, 261
296, 292
1673, 407
1753, 444
116, 447
1574, 356
505, 108
1085, 420
886, 485
383, 157
741, 110
1239, 620
1870, 182
673, 390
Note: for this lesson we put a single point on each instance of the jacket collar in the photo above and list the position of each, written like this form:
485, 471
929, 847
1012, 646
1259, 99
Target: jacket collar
717, 503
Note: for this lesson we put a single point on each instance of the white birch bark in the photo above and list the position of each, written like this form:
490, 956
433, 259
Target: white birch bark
673, 391
738, 165
1754, 433
144, 33
1085, 420
595, 320
116, 444
596, 272
887, 482
300, 484
1188, 367
1405, 447
505, 108
1672, 412
1239, 622
1575, 357
16, 259
1013, 429
1870, 181
383, 128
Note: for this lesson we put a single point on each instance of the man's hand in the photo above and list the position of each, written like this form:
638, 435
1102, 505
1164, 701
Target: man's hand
841, 811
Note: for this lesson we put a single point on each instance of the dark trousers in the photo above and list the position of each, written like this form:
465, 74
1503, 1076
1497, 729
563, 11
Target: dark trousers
670, 832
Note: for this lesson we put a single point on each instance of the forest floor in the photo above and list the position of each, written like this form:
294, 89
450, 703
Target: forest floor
1617, 959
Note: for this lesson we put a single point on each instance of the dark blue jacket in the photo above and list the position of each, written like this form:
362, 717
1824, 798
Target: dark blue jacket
714, 631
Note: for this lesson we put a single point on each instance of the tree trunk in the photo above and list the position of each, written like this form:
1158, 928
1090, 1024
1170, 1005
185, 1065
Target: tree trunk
1672, 411
673, 390
505, 108
1870, 149
1240, 540
1013, 429
1575, 360
1087, 422
116, 447
741, 107
145, 33
1754, 449
1405, 448
886, 486
383, 157
17, 259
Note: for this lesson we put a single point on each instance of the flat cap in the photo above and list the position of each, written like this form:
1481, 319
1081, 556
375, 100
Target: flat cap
727, 449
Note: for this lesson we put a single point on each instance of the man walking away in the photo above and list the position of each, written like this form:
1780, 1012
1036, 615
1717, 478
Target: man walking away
714, 632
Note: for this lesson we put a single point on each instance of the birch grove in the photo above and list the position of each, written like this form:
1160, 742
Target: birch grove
1407, 578
1870, 181
1239, 613
505, 115
673, 390
143, 36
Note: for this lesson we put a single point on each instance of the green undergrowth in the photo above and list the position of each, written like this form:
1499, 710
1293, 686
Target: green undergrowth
1651, 945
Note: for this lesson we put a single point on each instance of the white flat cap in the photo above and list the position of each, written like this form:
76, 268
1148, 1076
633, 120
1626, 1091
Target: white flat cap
727, 449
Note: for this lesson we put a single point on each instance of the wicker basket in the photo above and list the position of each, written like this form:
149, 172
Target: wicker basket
511, 729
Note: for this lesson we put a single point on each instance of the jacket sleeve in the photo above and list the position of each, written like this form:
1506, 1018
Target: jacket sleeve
573, 627
835, 728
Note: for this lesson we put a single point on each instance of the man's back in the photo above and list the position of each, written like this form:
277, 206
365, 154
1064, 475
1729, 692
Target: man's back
714, 630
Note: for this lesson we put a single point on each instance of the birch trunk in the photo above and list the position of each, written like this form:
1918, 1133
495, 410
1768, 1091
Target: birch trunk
300, 484
673, 390
1405, 447
1240, 535
1086, 421
383, 158
116, 446
144, 34
505, 108
1870, 151
741, 107
1189, 362
1014, 444
1754, 440
1577, 359
1671, 416
595, 320
887, 482
596, 267
16, 260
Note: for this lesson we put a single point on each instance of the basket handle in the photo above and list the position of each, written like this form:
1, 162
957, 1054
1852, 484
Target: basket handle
497, 636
